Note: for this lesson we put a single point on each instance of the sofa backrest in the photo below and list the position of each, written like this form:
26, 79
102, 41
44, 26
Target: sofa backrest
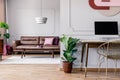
38, 40
29, 40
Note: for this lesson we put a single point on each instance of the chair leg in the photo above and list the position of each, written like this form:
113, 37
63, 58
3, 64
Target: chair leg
85, 71
99, 64
106, 66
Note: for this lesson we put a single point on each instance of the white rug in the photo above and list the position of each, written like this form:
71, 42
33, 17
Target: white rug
31, 60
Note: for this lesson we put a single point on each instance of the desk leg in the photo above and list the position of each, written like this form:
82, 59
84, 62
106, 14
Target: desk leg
87, 46
83, 46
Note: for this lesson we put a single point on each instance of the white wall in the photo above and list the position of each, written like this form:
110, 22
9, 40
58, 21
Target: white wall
21, 18
77, 20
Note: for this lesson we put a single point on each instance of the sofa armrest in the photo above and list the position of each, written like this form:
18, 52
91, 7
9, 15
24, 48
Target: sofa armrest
15, 43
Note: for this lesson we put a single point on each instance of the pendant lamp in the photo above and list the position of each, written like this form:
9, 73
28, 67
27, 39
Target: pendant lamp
41, 19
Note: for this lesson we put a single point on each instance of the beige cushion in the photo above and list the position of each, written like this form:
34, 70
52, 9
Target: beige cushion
51, 47
27, 46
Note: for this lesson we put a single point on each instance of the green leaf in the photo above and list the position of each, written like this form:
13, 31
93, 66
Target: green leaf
64, 39
71, 59
4, 25
7, 35
73, 51
70, 44
63, 58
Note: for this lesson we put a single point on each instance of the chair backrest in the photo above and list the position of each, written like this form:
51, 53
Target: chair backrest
110, 49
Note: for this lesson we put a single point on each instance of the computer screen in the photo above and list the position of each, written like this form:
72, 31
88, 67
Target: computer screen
106, 28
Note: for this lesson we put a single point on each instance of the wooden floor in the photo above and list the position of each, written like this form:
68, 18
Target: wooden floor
45, 72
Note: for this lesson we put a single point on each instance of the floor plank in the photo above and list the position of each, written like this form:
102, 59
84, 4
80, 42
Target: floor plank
43, 72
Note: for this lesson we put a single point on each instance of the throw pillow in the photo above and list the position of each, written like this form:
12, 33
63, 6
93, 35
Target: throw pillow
56, 41
48, 41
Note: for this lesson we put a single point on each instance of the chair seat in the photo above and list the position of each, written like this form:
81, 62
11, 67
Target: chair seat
113, 56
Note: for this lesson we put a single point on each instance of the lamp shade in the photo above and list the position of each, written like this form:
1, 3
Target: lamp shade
41, 20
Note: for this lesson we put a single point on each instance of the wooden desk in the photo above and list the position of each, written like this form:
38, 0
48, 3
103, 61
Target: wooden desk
86, 44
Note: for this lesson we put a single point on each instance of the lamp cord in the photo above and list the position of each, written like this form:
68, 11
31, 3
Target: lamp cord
41, 8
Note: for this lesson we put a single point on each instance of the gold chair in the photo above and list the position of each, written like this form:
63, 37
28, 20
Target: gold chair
109, 50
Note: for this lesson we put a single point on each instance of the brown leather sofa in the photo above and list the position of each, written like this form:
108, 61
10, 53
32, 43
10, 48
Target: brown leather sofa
36, 44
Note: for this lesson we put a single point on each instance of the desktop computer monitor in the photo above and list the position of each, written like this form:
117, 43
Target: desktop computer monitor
106, 28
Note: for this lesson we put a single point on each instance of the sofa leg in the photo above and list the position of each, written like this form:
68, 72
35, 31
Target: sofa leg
52, 54
22, 54
14, 53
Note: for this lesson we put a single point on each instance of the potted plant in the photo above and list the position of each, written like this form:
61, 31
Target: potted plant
69, 44
6, 27
5, 35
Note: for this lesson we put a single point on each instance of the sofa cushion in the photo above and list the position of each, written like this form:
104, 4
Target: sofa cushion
29, 40
42, 39
27, 47
53, 47
48, 41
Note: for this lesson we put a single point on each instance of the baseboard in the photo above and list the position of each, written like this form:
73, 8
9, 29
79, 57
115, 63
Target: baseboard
94, 69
